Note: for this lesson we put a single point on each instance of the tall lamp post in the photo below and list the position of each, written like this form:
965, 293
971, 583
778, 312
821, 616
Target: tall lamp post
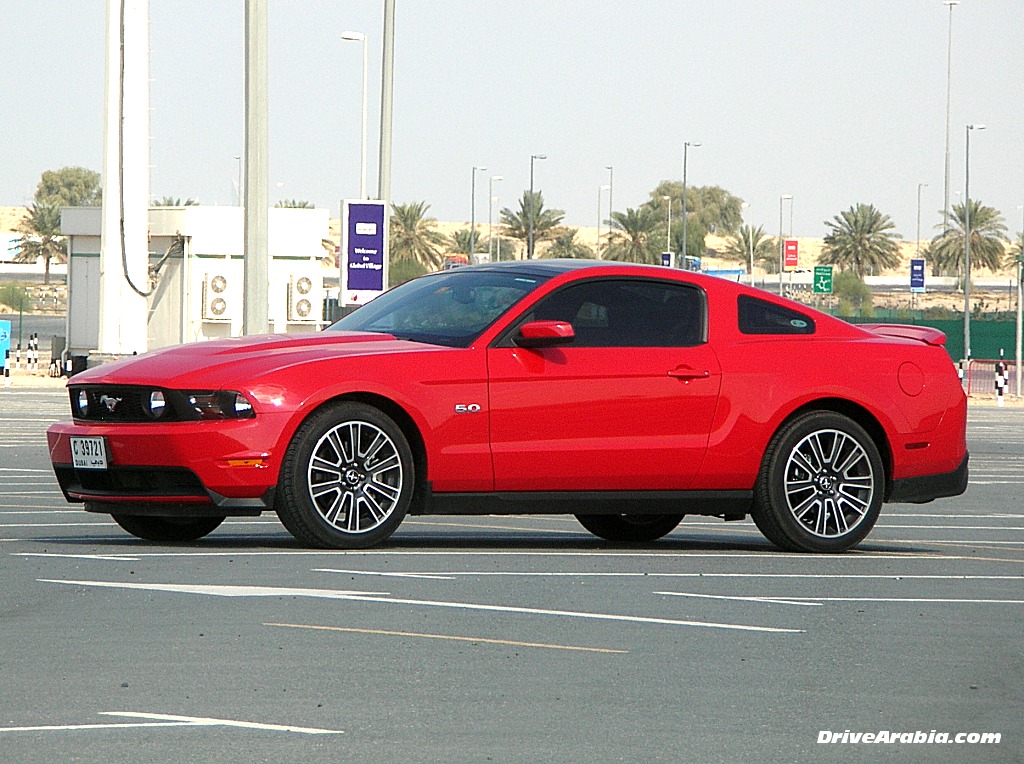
601, 189
490, 215
967, 240
1020, 293
472, 213
668, 230
750, 242
611, 186
781, 242
361, 37
686, 146
529, 242
918, 240
949, 90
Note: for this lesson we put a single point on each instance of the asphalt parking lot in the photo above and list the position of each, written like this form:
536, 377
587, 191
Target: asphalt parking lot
508, 639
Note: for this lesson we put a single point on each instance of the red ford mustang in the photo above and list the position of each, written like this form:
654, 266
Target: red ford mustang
626, 395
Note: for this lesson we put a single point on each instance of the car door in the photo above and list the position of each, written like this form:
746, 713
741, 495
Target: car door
627, 405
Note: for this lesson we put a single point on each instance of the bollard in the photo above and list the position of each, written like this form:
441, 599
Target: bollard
1002, 380
33, 352
7, 368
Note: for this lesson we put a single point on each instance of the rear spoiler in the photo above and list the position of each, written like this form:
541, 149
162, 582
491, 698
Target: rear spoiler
925, 334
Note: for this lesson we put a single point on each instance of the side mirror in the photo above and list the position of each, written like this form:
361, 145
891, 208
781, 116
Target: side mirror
545, 334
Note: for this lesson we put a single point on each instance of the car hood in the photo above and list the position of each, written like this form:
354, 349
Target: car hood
225, 363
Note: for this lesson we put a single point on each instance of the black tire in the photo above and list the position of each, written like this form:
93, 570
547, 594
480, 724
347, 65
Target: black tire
630, 527
168, 529
347, 456
821, 485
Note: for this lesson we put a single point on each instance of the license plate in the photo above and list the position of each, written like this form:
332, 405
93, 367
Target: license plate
89, 453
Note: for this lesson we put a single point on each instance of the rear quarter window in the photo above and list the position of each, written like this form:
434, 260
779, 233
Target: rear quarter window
762, 317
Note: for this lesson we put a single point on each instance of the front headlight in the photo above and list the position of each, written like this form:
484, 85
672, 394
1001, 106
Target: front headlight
220, 404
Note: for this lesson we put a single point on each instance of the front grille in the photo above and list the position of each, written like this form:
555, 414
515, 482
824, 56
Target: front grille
130, 481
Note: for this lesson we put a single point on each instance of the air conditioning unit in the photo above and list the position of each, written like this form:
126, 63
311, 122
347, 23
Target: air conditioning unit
302, 294
216, 298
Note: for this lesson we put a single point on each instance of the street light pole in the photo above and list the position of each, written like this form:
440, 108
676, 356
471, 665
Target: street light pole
1020, 293
967, 240
611, 185
686, 146
750, 242
949, 90
918, 240
599, 190
529, 244
781, 242
472, 214
490, 215
668, 231
361, 37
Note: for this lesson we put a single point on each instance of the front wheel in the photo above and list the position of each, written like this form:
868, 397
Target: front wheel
168, 529
347, 478
630, 527
821, 485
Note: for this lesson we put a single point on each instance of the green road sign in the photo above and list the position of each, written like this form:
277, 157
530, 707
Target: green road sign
822, 279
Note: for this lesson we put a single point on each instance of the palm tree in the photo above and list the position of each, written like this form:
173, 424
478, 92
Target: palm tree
41, 229
748, 239
517, 224
1016, 253
634, 235
861, 238
295, 204
565, 245
414, 236
171, 201
459, 242
988, 239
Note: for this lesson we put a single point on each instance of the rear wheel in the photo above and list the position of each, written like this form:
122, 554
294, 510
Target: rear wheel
168, 529
630, 527
347, 478
821, 485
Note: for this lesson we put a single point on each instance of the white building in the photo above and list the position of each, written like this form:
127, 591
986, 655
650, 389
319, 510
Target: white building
196, 271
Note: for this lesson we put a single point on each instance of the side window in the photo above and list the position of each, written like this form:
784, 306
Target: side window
628, 313
763, 317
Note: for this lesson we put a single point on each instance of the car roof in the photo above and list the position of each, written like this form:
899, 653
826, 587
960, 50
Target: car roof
555, 266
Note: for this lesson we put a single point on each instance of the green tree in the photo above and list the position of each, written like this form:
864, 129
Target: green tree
853, 294
69, 187
171, 201
459, 242
988, 240
1015, 254
13, 296
748, 239
41, 237
712, 208
861, 239
295, 204
414, 236
545, 221
565, 245
634, 236
401, 271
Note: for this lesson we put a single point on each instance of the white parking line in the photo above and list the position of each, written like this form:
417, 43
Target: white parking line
270, 591
616, 574
820, 600
169, 720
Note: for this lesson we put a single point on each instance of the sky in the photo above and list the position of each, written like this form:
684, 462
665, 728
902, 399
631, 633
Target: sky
834, 102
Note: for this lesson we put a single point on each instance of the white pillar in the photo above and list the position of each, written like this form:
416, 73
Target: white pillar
124, 251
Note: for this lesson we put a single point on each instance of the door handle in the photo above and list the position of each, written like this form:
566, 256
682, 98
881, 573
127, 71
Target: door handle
688, 374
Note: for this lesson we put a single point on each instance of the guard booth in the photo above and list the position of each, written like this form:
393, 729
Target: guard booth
196, 273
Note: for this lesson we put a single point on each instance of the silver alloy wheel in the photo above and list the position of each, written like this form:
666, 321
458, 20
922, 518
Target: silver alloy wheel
355, 476
829, 483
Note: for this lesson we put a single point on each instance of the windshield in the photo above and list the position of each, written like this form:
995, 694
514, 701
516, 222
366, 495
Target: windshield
449, 308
